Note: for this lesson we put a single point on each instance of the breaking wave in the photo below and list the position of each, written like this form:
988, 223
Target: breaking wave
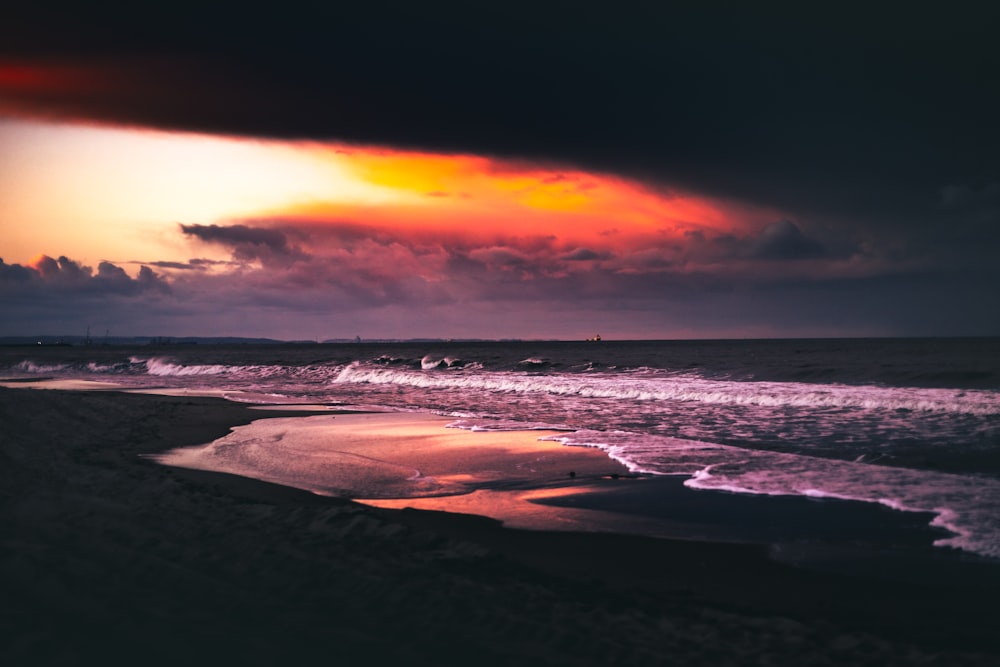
159, 366
32, 367
673, 387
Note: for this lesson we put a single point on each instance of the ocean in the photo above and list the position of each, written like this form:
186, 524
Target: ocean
913, 424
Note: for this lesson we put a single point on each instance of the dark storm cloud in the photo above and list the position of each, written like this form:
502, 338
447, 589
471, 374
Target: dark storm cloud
776, 242
861, 111
784, 240
870, 130
973, 207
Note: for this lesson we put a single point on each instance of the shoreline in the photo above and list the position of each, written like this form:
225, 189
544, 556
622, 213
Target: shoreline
391, 455
98, 540
403, 460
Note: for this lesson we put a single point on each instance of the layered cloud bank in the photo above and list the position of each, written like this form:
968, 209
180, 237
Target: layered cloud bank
299, 280
502, 171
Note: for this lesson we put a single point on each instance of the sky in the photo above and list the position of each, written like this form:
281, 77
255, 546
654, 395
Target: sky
473, 170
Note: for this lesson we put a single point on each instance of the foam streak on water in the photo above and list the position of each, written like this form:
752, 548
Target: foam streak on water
971, 511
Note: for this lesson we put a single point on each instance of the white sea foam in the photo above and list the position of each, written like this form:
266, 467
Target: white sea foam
967, 507
160, 366
430, 362
32, 367
675, 387
164, 367
95, 367
641, 385
470, 423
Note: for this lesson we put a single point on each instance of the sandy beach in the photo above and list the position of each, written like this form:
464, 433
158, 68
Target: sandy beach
109, 556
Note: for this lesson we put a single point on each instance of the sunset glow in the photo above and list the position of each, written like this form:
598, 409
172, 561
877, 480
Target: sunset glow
469, 199
119, 194
65, 181
183, 176
502, 333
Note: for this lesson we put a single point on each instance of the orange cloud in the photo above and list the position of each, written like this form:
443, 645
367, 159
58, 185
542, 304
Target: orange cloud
123, 192
425, 197
482, 200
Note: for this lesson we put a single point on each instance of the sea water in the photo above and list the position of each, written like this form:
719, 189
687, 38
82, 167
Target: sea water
910, 424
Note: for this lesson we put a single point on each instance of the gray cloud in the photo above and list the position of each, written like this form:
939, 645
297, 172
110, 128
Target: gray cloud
267, 245
15, 273
758, 102
776, 242
62, 270
65, 276
965, 196
183, 266
389, 290
583, 255
784, 240
499, 257
780, 280
196, 264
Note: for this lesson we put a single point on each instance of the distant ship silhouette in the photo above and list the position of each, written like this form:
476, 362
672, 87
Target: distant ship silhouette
596, 338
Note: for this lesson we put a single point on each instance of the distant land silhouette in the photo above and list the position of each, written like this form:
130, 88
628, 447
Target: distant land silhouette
213, 340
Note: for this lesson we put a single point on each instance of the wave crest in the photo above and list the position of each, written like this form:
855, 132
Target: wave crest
686, 388
31, 367
161, 366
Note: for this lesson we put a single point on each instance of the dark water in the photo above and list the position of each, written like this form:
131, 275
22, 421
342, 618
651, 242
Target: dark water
912, 424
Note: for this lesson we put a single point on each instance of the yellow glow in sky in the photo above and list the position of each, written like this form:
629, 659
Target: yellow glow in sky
118, 194
468, 196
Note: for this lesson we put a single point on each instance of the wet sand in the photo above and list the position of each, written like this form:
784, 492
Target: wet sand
108, 556
391, 455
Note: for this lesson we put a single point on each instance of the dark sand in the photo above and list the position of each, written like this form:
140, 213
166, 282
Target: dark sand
110, 558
